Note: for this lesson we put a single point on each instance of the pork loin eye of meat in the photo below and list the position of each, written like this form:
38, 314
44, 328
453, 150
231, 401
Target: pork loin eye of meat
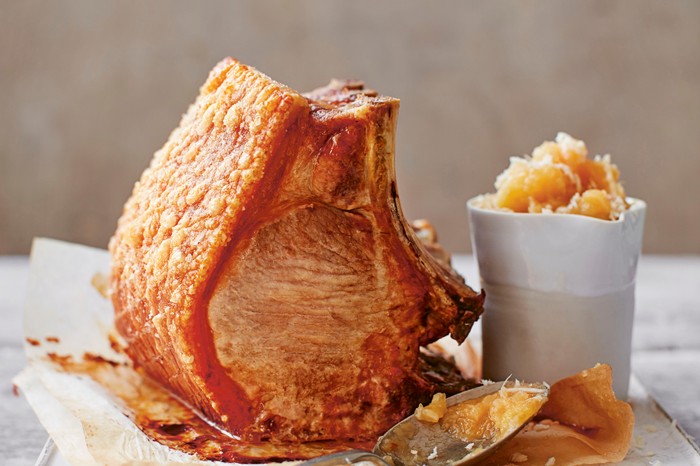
263, 270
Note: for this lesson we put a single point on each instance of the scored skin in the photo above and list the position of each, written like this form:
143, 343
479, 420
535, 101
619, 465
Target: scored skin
258, 185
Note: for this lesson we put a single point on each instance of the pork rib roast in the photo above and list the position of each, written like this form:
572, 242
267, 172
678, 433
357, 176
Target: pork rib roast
263, 270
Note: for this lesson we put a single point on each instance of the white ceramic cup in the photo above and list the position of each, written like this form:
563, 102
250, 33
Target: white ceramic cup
559, 292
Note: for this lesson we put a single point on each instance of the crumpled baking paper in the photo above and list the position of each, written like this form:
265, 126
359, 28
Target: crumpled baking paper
66, 314
87, 426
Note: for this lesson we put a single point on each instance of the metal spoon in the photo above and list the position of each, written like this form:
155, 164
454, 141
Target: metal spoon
413, 442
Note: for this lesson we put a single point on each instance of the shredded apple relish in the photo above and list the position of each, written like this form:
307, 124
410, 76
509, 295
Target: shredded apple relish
559, 177
488, 417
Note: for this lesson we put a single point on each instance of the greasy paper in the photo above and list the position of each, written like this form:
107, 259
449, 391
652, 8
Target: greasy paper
65, 314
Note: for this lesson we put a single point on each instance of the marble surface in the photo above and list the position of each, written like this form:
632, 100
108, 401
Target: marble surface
666, 355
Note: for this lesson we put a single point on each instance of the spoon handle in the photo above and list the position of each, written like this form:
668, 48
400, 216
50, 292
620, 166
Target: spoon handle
346, 457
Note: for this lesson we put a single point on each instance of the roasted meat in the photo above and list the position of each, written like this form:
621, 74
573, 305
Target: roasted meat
263, 270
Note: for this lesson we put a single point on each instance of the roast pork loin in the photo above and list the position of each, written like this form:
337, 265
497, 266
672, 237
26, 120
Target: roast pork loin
263, 270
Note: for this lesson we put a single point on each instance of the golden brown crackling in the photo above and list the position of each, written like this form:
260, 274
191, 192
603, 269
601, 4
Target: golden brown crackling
185, 206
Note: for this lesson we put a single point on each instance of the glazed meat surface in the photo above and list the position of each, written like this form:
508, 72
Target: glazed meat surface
263, 270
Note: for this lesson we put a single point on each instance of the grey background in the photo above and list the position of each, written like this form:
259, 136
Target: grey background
90, 89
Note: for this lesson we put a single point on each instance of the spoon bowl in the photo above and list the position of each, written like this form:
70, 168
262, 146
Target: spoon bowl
415, 442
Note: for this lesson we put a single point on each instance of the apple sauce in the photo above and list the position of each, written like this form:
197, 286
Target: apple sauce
560, 178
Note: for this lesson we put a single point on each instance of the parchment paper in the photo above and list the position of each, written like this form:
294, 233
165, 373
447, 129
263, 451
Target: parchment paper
86, 425
90, 429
